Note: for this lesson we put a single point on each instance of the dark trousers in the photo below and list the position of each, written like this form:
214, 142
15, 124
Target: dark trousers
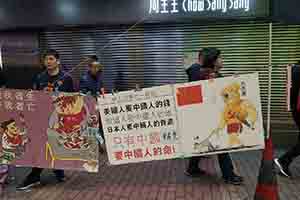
36, 173
101, 131
294, 152
225, 163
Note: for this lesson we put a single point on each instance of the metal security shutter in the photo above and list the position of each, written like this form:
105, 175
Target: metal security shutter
73, 45
153, 54
20, 57
286, 50
148, 56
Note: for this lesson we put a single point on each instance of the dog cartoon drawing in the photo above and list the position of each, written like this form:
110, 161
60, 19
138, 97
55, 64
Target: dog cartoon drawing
237, 114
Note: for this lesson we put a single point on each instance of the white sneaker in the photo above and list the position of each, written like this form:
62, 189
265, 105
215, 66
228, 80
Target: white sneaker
284, 170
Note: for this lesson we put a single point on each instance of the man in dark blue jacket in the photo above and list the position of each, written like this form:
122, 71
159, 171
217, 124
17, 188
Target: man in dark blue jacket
52, 79
208, 65
284, 162
92, 81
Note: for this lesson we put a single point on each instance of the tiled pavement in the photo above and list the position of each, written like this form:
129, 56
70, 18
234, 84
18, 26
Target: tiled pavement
159, 180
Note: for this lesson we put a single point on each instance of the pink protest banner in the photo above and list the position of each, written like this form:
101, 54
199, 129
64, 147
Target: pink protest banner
48, 130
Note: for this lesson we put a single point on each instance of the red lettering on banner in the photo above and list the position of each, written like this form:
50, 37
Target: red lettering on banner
138, 153
118, 155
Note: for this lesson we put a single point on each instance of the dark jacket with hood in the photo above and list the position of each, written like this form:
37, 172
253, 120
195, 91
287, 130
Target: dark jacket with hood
295, 88
196, 73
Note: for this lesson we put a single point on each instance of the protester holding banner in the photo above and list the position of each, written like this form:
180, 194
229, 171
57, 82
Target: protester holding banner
208, 67
92, 82
52, 79
283, 163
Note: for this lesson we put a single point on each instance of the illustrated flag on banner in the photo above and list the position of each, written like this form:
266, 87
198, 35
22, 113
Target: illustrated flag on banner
189, 95
267, 188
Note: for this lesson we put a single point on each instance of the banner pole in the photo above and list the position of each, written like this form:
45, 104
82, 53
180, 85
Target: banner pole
270, 82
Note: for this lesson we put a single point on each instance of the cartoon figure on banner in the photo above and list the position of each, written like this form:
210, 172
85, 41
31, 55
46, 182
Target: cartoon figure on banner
14, 139
237, 113
69, 120
71, 132
94, 128
91, 165
93, 121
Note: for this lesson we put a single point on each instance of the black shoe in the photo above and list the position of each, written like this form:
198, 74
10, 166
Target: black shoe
234, 180
284, 169
61, 179
195, 173
29, 183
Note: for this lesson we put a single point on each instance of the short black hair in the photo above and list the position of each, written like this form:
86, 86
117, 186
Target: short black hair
93, 57
210, 55
51, 52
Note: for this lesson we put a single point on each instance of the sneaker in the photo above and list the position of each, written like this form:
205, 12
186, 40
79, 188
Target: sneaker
234, 180
101, 150
29, 183
195, 173
284, 169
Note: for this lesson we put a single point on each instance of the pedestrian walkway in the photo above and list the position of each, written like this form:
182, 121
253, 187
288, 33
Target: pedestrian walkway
159, 180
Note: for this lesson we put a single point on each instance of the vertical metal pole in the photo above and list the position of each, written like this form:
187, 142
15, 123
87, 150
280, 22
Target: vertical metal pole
270, 82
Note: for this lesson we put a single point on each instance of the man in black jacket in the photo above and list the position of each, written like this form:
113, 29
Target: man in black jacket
207, 67
283, 163
52, 79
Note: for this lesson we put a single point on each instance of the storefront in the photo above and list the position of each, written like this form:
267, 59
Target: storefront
145, 41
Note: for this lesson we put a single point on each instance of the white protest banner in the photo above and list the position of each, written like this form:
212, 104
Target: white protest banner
140, 125
221, 115
183, 120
